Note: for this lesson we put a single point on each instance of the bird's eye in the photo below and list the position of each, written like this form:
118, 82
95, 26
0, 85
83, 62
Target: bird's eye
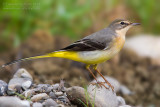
122, 23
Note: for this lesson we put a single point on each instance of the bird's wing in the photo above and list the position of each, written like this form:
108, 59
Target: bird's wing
97, 41
85, 45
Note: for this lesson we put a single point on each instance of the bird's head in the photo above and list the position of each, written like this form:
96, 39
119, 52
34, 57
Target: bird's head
121, 26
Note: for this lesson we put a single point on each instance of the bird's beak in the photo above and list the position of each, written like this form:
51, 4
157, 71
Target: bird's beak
135, 24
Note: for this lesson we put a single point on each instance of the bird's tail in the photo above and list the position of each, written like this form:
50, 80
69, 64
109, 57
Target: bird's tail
62, 54
24, 59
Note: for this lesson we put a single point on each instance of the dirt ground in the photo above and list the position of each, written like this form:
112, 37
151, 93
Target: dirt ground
139, 74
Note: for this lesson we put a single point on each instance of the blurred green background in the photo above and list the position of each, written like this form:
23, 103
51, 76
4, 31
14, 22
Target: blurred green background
72, 18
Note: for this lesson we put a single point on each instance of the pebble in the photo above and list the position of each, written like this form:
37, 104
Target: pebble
22, 73
121, 101
3, 88
64, 99
125, 91
37, 105
50, 103
21, 79
14, 85
58, 93
38, 97
26, 85
10, 101
42, 87
48, 89
52, 95
29, 93
55, 86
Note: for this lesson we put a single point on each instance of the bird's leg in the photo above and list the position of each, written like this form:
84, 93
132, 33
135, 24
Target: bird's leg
99, 83
95, 68
87, 67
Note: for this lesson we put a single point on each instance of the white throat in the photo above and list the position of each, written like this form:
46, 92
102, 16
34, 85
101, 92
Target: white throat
122, 32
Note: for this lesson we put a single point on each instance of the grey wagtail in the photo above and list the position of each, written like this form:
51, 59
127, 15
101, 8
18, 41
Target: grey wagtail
93, 49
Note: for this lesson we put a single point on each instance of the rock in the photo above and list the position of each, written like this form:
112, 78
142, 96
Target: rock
121, 101
111, 80
43, 87
61, 86
21, 79
103, 97
145, 46
58, 93
52, 95
26, 85
38, 97
13, 102
55, 86
64, 99
29, 93
50, 103
76, 95
22, 73
37, 105
125, 91
117, 86
15, 85
3, 88
48, 89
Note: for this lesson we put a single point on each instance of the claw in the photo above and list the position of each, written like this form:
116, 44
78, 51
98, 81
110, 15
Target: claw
100, 84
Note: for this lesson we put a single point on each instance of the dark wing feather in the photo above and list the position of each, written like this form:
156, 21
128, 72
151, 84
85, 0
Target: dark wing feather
97, 41
85, 45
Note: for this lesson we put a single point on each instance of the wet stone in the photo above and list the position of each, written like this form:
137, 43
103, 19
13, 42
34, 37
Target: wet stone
29, 93
50, 103
38, 97
21, 79
58, 93
48, 89
37, 105
22, 73
55, 86
64, 99
42, 87
3, 88
52, 95
10, 101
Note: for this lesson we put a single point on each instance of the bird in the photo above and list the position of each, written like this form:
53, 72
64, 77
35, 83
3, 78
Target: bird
92, 49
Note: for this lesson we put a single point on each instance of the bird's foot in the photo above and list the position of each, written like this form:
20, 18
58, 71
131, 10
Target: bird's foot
100, 84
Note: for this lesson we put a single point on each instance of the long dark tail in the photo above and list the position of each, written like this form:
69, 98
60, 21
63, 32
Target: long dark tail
61, 54
25, 59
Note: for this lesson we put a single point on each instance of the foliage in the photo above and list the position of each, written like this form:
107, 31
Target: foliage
148, 12
60, 17
19, 19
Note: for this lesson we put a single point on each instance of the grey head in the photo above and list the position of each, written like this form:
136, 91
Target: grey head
121, 26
